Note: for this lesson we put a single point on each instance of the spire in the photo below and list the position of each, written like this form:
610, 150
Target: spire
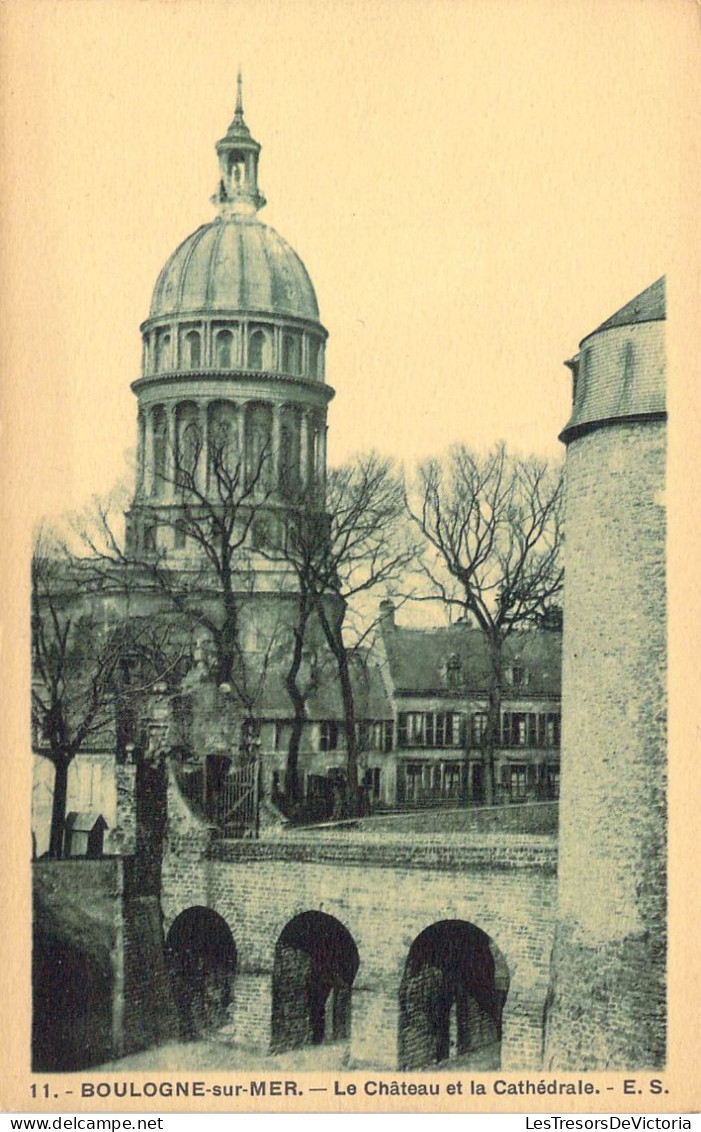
238, 192
238, 114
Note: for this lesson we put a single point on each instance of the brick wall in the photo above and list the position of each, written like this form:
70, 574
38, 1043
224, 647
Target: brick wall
385, 891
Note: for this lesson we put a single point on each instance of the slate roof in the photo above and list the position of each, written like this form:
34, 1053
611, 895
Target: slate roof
324, 702
418, 659
648, 306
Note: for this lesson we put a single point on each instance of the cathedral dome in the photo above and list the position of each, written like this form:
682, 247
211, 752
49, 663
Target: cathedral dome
235, 264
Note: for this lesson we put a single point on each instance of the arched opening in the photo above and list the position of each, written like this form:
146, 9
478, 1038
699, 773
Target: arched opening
290, 440
259, 349
223, 445
162, 352
316, 961
291, 353
160, 449
201, 961
192, 350
189, 443
224, 344
259, 424
314, 357
451, 998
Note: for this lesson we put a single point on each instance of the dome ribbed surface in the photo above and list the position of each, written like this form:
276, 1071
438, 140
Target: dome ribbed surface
235, 264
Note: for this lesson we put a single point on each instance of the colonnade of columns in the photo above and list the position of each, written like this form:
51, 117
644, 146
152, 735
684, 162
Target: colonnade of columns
248, 345
280, 447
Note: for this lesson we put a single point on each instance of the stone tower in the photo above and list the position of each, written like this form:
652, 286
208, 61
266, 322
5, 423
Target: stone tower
233, 370
607, 1006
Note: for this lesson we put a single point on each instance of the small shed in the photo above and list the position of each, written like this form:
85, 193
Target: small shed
85, 833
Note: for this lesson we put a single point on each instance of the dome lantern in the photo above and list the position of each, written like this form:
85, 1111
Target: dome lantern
238, 153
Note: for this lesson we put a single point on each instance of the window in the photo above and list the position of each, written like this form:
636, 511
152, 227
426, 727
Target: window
518, 729
224, 345
480, 723
549, 729
518, 781
314, 351
258, 349
371, 780
192, 349
151, 538
277, 736
328, 735
179, 538
162, 352
429, 729
382, 735
453, 671
291, 353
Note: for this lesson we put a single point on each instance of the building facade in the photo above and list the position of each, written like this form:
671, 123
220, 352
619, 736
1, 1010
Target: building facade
438, 683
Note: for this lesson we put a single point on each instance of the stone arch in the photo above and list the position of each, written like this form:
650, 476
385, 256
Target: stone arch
451, 996
316, 961
201, 960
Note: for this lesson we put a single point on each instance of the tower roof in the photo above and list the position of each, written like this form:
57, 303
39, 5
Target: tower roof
648, 306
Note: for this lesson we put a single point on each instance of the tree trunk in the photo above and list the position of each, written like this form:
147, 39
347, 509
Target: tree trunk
494, 717
292, 791
58, 808
334, 636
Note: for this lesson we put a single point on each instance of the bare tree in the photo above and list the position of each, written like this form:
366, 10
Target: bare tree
79, 664
341, 544
493, 535
217, 501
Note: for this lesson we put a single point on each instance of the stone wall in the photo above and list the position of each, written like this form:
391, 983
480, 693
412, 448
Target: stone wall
607, 1006
99, 986
385, 891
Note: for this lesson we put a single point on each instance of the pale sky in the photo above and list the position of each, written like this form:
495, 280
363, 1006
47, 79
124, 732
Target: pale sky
472, 186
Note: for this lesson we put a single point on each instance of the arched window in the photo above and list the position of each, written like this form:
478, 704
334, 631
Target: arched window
291, 353
162, 352
259, 354
192, 349
224, 348
314, 352
256, 343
